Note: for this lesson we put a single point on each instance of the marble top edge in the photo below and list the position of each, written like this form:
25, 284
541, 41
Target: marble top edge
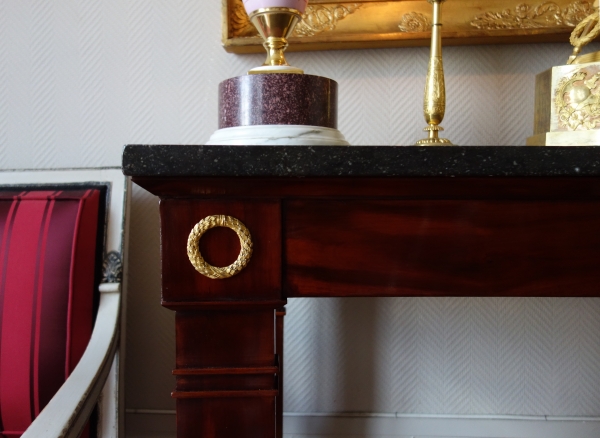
362, 161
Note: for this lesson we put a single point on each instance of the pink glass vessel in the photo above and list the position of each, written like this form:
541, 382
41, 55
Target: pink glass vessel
253, 5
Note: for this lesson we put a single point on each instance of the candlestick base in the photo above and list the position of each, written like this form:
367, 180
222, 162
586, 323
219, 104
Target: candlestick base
434, 139
264, 69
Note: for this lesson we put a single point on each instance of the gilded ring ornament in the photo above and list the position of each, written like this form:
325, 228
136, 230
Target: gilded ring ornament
198, 261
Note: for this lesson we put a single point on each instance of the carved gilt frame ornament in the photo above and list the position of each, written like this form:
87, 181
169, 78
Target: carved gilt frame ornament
356, 24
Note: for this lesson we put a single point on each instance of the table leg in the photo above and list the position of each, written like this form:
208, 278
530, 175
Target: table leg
226, 373
279, 316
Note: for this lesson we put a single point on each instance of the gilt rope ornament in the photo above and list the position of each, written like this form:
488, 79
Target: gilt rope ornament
584, 33
198, 261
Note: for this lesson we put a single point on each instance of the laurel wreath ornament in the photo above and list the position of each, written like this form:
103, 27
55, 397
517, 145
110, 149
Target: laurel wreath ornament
198, 261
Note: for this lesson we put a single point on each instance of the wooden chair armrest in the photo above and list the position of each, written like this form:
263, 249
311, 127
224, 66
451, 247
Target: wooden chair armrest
68, 411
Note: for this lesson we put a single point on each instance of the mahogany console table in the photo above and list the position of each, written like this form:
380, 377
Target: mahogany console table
349, 221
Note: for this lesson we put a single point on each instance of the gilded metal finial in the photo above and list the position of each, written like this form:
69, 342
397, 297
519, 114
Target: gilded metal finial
434, 104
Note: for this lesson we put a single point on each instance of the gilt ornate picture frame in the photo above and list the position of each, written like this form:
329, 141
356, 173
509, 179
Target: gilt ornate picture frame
330, 24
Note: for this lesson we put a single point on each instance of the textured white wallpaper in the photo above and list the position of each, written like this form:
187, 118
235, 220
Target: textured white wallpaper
81, 78
444, 356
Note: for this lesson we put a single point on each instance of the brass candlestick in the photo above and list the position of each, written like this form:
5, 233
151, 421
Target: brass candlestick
434, 104
275, 25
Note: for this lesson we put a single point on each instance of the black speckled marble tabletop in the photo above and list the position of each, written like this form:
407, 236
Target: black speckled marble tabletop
364, 161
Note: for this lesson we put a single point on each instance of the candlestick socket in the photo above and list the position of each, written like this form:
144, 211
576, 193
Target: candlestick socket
275, 25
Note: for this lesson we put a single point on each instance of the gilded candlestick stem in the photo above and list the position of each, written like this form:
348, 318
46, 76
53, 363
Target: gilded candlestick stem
434, 104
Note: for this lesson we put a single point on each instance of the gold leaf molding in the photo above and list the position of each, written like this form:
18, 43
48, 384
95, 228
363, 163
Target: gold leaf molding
316, 19
525, 16
359, 24
319, 18
415, 22
239, 23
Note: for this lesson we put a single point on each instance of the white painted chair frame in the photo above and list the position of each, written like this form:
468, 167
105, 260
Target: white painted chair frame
98, 377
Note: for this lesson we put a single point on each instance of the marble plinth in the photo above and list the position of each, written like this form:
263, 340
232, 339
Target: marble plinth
284, 135
278, 99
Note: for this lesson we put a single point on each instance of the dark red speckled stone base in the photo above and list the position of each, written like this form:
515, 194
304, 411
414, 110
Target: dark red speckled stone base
278, 99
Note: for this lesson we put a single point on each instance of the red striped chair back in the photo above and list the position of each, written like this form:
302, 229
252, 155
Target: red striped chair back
51, 243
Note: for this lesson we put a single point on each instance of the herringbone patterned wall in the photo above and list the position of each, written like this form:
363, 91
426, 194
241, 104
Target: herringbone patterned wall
81, 78
444, 356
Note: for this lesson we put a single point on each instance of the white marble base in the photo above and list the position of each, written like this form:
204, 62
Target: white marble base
282, 135
263, 69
